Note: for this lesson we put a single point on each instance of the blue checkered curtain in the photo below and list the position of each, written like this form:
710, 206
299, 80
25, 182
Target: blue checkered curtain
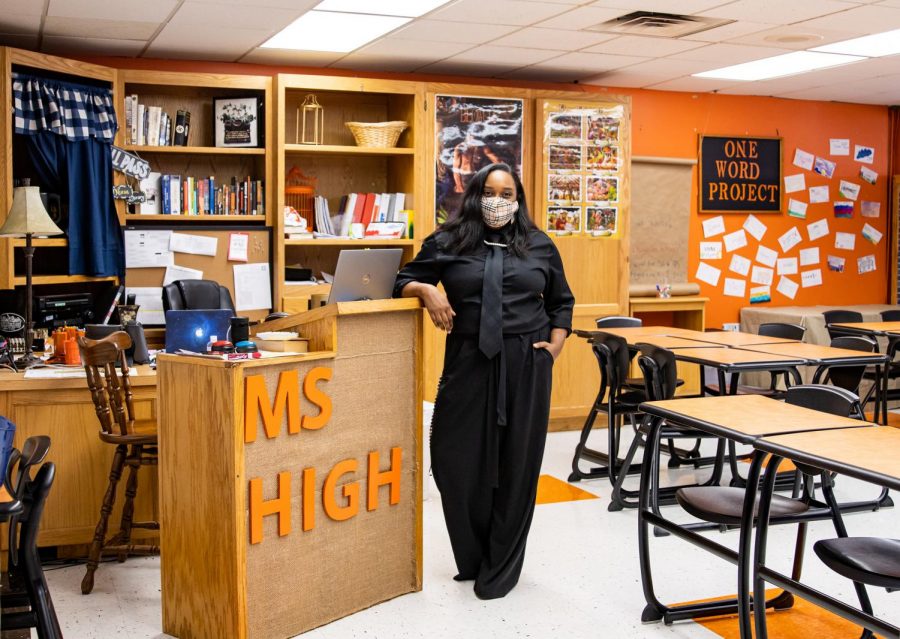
74, 111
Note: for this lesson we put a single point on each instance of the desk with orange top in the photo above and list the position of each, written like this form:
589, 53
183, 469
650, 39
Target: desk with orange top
290, 487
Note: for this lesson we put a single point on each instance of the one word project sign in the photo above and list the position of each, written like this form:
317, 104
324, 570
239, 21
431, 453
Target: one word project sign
739, 174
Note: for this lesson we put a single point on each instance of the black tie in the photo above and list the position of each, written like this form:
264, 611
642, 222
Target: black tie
490, 329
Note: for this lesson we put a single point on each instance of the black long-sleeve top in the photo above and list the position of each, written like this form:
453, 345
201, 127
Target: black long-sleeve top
535, 291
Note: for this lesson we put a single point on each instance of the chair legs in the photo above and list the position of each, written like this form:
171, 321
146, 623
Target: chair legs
120, 543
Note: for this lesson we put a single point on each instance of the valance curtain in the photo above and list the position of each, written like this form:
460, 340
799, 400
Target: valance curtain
69, 129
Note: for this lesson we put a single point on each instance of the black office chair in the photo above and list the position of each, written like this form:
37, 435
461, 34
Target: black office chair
840, 317
849, 377
196, 295
783, 331
618, 321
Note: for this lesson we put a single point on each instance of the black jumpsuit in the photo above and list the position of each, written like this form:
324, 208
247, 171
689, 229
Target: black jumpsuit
486, 452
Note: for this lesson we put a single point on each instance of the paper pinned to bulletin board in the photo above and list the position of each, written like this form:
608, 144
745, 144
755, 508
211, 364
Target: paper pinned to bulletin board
583, 168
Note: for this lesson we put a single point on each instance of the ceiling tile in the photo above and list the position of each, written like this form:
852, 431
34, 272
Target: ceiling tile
668, 66
728, 54
61, 45
622, 78
134, 10
446, 31
412, 49
682, 7
505, 55
592, 63
582, 17
95, 28
792, 37
27, 7
19, 40
246, 17
776, 11
693, 85
298, 6
571, 3
205, 42
497, 12
727, 31
538, 38
859, 20
544, 74
645, 46
478, 69
362, 62
291, 57
15, 22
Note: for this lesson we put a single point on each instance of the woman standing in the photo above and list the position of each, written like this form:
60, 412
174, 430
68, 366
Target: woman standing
507, 312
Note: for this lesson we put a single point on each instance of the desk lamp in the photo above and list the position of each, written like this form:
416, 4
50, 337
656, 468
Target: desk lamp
28, 217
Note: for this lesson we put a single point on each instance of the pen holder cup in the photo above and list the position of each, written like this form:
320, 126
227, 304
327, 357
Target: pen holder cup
128, 313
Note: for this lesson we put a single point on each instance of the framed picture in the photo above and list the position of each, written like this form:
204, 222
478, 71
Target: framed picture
237, 121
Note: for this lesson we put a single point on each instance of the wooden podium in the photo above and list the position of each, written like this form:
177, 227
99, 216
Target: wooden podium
291, 487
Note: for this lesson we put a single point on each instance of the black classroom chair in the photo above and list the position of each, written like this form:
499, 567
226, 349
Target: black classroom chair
840, 316
850, 377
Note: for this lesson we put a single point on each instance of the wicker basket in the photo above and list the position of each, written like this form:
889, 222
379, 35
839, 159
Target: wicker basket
383, 134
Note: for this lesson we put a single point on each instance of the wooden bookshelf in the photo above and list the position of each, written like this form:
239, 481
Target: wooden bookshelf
195, 150
137, 217
61, 279
343, 149
348, 243
42, 241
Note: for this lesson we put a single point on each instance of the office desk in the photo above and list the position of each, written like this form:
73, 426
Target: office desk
738, 418
867, 454
62, 409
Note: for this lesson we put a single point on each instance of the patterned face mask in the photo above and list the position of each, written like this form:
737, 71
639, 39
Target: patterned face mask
497, 211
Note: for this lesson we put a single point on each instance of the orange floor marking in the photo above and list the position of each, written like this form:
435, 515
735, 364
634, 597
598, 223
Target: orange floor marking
802, 620
553, 491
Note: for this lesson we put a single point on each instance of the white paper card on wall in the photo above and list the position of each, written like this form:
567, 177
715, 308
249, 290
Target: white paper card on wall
175, 272
794, 183
811, 278
708, 274
803, 159
238, 247
735, 288
766, 256
252, 287
839, 146
194, 244
148, 249
762, 275
865, 264
710, 250
790, 239
796, 208
870, 209
835, 264
735, 241
739, 265
713, 226
817, 229
809, 256
845, 241
864, 154
849, 190
149, 298
871, 233
787, 266
868, 174
818, 194
787, 287
755, 227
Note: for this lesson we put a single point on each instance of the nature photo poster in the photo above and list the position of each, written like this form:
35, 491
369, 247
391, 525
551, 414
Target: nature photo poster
470, 133
583, 169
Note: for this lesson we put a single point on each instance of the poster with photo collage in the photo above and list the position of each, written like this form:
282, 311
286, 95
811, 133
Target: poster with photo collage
583, 170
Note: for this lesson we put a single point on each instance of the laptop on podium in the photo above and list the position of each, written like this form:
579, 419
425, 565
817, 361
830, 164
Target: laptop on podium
366, 274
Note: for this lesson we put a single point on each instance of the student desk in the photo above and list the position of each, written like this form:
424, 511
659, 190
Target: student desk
291, 487
737, 339
63, 409
880, 329
671, 342
867, 454
739, 418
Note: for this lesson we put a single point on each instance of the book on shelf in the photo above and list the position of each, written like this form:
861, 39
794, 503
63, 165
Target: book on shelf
208, 196
150, 187
150, 125
182, 127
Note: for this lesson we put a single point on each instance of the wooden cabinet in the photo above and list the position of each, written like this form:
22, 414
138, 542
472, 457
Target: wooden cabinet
339, 166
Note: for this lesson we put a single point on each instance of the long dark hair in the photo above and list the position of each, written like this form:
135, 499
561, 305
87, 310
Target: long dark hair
466, 229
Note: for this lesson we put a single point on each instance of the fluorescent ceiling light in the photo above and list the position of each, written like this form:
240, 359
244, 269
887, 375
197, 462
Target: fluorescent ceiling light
779, 66
335, 32
872, 46
405, 8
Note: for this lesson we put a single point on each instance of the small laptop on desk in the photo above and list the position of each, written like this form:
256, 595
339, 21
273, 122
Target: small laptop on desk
190, 330
366, 274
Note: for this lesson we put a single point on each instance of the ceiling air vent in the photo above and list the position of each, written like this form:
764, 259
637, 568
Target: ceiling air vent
660, 25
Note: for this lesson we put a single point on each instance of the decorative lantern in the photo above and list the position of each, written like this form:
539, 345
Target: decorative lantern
310, 121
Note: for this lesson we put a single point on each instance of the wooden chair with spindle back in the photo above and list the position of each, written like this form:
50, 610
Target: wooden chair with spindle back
135, 442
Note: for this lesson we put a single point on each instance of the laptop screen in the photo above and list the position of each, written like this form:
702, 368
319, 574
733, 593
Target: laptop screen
366, 274
191, 330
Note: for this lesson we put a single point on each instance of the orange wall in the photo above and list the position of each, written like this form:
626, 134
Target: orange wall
667, 124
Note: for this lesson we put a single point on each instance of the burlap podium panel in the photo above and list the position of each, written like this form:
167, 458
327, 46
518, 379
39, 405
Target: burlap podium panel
308, 578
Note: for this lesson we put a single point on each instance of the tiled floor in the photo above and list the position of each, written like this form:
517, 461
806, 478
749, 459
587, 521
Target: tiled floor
580, 579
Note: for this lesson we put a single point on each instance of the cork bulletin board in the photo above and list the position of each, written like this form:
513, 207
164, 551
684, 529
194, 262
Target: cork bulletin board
217, 268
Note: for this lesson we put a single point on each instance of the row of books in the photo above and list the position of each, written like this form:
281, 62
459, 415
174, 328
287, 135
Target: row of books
377, 220
176, 195
151, 126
